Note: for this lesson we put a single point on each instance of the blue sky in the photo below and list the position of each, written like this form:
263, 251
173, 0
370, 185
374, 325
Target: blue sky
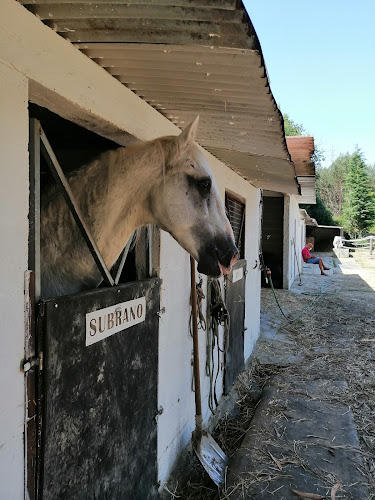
320, 57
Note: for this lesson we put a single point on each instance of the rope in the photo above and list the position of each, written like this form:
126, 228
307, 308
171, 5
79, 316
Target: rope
274, 293
200, 296
268, 278
217, 314
292, 320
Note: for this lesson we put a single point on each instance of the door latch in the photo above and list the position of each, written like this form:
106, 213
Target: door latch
33, 362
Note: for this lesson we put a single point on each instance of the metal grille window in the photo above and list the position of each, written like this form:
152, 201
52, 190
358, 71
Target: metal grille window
236, 215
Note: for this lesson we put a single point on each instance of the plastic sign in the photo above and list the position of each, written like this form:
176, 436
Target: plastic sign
110, 320
237, 275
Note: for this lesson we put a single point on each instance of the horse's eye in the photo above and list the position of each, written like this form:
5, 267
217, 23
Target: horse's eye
204, 186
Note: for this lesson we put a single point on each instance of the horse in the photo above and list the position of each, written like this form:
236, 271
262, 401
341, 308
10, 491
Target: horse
165, 182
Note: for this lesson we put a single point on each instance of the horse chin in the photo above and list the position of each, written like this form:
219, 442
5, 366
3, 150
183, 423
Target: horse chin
210, 268
210, 265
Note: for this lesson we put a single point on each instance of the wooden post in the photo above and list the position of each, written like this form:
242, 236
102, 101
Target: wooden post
371, 244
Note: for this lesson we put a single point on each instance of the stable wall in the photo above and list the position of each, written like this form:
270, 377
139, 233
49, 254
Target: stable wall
294, 240
14, 207
38, 65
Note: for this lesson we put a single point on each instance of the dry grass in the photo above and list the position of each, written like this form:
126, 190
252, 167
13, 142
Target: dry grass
334, 337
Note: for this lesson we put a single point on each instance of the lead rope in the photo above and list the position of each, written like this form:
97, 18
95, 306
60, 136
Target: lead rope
268, 278
201, 319
217, 314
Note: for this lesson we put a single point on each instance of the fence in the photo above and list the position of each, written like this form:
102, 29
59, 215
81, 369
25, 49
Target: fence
357, 244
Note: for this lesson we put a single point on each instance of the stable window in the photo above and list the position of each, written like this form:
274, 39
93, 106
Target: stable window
236, 215
75, 146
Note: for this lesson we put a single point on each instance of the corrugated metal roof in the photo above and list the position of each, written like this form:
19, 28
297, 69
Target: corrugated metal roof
188, 57
301, 149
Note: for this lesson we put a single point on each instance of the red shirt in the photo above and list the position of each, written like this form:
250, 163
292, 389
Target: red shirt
306, 254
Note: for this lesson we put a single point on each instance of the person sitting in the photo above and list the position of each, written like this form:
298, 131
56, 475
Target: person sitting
313, 259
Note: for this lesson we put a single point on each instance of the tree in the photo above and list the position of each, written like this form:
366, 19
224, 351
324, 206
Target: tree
291, 127
359, 205
319, 212
330, 184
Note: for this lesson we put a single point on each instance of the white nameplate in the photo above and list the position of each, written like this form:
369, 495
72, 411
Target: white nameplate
106, 322
237, 274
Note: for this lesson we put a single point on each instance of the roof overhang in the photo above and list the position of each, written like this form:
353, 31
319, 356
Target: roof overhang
308, 220
301, 149
188, 58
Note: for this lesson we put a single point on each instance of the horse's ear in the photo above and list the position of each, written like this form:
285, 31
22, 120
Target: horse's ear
188, 135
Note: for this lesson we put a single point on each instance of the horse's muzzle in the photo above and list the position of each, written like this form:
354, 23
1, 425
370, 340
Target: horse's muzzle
217, 258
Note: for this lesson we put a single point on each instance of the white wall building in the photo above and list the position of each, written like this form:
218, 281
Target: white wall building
37, 65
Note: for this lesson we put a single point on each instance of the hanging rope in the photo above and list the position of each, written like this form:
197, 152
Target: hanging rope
200, 296
268, 278
217, 314
201, 319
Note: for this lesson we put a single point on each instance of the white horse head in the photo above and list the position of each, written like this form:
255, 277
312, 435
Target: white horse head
166, 182
188, 205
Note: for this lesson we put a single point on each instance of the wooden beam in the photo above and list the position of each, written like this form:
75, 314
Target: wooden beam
86, 10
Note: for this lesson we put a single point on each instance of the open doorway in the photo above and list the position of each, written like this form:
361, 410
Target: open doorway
273, 236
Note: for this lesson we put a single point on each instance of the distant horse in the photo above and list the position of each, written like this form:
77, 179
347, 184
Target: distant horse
166, 182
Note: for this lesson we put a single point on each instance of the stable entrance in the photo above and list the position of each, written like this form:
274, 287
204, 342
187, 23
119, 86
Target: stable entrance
99, 431
273, 236
93, 371
235, 295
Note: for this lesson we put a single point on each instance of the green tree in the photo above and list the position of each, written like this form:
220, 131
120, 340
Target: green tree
291, 127
319, 212
330, 184
359, 205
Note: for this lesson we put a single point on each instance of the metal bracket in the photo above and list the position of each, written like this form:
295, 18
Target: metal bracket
159, 313
33, 362
160, 412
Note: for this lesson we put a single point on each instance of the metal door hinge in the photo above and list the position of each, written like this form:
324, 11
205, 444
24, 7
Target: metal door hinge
160, 412
33, 362
159, 313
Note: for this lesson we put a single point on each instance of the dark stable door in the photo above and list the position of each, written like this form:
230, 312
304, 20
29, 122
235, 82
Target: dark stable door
235, 302
99, 432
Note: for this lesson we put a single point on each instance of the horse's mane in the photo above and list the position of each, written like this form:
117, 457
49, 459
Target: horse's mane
153, 155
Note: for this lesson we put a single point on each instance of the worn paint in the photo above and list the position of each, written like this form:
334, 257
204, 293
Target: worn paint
235, 302
99, 427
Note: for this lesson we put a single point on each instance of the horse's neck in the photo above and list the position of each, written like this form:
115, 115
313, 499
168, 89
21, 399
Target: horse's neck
114, 200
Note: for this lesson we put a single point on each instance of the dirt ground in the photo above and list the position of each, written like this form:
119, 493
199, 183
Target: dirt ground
330, 334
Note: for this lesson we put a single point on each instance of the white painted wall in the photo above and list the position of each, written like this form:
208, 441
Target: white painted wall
14, 199
36, 63
294, 239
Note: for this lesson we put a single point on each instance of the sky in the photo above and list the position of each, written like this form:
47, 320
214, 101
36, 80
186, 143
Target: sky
320, 58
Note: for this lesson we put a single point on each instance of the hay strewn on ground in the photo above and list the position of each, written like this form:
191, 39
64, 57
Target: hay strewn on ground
336, 338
